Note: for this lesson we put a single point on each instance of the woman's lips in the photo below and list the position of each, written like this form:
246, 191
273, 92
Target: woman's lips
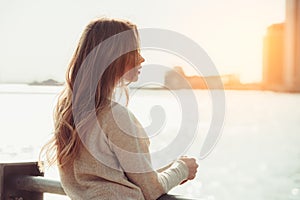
139, 69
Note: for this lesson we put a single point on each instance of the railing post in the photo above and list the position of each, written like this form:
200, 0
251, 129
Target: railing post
10, 170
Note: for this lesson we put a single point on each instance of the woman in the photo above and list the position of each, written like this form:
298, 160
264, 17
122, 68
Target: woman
101, 150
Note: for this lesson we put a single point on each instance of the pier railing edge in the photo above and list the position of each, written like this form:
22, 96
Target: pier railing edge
21, 181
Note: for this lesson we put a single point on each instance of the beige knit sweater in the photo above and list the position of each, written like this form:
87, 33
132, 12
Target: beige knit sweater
115, 162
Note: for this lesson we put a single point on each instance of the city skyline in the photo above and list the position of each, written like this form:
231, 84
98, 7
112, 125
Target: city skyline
38, 44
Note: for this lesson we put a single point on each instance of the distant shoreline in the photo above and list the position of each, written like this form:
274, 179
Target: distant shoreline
49, 82
23, 88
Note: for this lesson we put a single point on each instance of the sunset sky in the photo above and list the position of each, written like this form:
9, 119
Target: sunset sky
38, 37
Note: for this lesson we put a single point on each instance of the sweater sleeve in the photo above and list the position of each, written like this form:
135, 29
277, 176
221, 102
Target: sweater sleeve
174, 175
130, 144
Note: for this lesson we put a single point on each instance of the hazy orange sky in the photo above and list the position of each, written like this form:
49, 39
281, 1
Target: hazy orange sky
39, 37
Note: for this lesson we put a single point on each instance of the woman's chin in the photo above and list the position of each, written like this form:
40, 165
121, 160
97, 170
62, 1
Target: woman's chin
132, 79
135, 79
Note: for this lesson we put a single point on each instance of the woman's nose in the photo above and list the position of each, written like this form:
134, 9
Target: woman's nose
141, 59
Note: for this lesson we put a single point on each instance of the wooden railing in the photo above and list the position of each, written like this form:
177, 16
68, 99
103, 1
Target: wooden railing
22, 181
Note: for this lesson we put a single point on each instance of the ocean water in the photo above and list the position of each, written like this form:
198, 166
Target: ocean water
257, 156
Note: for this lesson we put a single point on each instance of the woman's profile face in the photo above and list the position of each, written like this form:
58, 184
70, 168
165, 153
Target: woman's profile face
132, 70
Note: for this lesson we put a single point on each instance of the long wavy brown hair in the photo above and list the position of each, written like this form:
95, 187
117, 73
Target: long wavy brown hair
87, 70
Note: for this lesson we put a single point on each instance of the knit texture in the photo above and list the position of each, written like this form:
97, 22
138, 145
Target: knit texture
114, 162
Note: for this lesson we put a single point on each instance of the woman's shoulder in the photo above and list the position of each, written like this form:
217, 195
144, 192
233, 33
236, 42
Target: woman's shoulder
119, 117
118, 107
116, 113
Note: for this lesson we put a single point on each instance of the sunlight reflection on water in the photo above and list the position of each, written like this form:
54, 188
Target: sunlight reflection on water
257, 157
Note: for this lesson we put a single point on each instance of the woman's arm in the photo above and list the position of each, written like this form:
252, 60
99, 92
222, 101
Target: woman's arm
130, 144
155, 184
165, 167
138, 168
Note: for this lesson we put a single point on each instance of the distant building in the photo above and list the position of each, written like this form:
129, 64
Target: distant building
273, 57
176, 79
281, 52
292, 46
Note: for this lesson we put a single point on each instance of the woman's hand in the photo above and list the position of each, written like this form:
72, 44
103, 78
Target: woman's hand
192, 167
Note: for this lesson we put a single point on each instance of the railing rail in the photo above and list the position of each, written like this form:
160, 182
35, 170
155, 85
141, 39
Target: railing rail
37, 184
21, 181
